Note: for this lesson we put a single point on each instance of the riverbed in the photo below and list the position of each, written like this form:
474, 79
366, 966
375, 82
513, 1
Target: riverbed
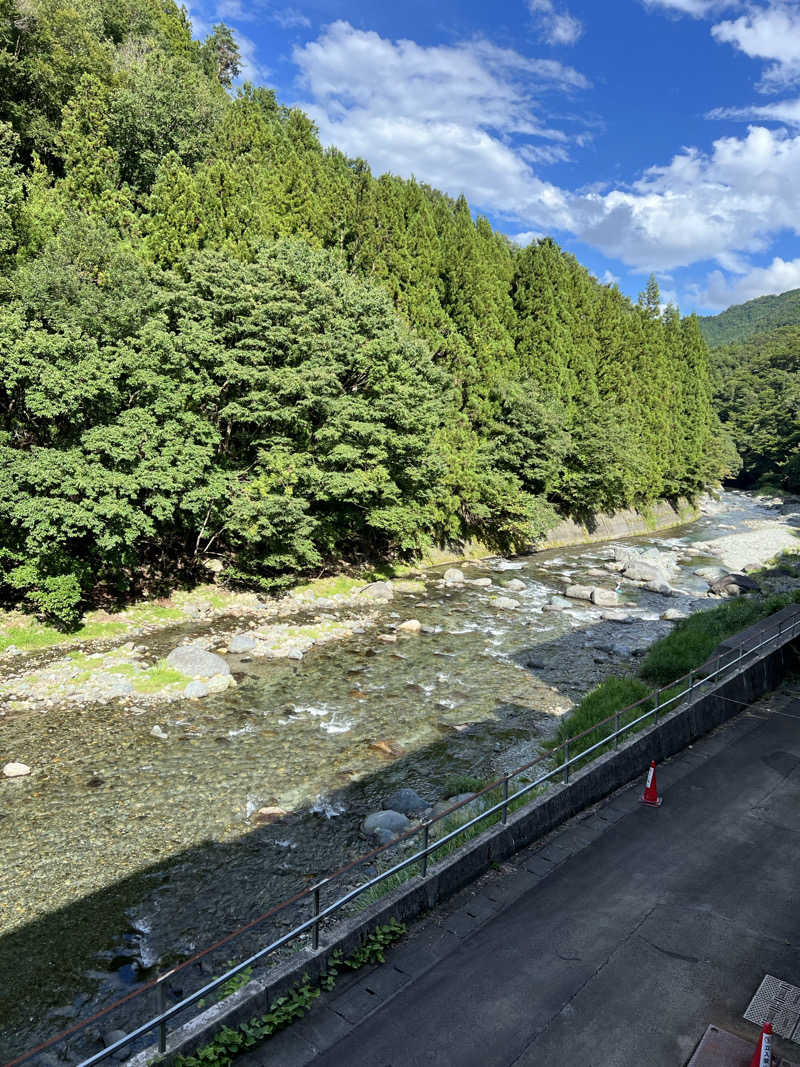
137, 838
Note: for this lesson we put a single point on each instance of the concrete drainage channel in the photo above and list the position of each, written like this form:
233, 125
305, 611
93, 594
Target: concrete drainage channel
708, 705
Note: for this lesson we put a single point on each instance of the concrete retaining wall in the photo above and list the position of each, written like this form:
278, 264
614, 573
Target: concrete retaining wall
673, 733
605, 526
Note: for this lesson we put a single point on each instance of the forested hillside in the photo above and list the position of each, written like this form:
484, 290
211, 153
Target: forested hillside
219, 339
756, 316
757, 395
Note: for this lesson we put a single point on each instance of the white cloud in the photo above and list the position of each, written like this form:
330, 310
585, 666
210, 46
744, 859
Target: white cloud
769, 33
696, 8
558, 27
699, 206
608, 278
785, 111
527, 238
446, 113
778, 277
290, 18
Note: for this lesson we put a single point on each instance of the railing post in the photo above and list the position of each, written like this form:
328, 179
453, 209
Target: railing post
566, 761
616, 728
162, 1007
315, 927
424, 861
505, 799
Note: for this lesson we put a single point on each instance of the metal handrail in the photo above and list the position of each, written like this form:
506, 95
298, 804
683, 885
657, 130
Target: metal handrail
781, 634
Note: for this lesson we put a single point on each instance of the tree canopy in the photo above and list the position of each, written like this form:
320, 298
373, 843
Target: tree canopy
219, 338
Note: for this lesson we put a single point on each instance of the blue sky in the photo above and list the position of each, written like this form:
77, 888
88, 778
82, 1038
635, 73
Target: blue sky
643, 135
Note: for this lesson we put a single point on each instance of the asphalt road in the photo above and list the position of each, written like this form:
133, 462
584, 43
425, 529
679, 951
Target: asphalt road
612, 944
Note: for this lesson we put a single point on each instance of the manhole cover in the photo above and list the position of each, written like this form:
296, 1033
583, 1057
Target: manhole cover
776, 1002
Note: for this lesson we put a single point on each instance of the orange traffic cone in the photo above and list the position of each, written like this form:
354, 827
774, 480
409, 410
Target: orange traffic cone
650, 795
762, 1057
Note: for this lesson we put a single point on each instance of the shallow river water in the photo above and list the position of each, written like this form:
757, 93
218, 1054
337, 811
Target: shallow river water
124, 851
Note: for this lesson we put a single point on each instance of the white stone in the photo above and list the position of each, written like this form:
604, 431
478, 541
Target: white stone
159, 732
196, 689
604, 598
505, 603
197, 663
515, 585
453, 576
578, 592
411, 626
16, 770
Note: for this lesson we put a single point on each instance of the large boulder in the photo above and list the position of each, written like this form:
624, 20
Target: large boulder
244, 642
406, 801
660, 587
734, 585
392, 821
453, 576
378, 591
578, 592
516, 585
604, 598
195, 662
641, 570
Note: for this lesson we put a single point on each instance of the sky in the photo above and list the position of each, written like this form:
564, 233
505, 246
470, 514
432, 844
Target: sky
642, 135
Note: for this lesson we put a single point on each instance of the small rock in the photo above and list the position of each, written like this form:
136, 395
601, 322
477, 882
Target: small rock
406, 801
195, 690
453, 576
219, 683
378, 591
410, 626
660, 587
160, 733
16, 770
481, 583
242, 643
515, 585
388, 748
383, 837
265, 816
389, 639
673, 615
615, 568
427, 629
393, 821
504, 603
117, 1035
578, 592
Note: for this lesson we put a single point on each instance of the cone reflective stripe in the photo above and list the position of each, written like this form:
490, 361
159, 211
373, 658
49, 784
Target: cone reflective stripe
762, 1057
651, 796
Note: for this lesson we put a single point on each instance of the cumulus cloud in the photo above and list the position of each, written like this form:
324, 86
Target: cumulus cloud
465, 118
289, 18
778, 277
769, 33
700, 205
557, 27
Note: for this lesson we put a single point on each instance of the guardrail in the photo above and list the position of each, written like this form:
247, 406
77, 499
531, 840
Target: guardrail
573, 753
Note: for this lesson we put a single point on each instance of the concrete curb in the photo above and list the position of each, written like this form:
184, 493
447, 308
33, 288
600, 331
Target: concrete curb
673, 733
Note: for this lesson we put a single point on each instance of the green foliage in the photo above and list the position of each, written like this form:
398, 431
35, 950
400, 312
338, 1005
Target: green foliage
757, 395
229, 1042
216, 335
742, 321
607, 698
694, 639
461, 783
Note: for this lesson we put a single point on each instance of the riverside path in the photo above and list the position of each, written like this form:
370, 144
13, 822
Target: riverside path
613, 943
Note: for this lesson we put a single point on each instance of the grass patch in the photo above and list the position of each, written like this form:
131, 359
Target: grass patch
694, 639
322, 588
38, 635
158, 677
461, 783
610, 696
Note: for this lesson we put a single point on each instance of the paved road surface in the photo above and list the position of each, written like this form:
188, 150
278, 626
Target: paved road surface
613, 944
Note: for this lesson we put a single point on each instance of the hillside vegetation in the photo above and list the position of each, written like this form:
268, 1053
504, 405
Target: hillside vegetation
218, 338
742, 321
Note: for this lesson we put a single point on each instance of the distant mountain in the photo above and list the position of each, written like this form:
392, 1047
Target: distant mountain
756, 316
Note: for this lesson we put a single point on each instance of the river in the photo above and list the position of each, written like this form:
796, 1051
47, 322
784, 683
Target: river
125, 851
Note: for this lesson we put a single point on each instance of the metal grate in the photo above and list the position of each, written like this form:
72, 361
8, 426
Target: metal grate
779, 1003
